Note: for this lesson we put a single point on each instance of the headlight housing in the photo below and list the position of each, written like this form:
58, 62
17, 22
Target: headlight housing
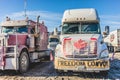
93, 46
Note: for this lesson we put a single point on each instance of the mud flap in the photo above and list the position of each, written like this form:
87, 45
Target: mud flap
51, 56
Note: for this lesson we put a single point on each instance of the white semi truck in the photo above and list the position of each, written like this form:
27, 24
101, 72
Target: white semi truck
113, 40
81, 46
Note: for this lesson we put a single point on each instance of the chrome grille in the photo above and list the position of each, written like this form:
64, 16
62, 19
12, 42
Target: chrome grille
77, 49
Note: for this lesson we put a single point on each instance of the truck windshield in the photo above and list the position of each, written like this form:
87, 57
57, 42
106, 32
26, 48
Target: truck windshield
8, 29
53, 40
81, 28
22, 29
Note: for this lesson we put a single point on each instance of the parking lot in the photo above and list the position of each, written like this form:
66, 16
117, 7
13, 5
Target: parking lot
45, 71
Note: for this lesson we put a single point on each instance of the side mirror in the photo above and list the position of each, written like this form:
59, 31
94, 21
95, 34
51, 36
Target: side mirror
60, 26
107, 30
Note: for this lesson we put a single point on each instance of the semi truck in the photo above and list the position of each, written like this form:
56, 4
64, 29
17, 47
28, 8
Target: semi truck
81, 47
21, 43
53, 40
112, 40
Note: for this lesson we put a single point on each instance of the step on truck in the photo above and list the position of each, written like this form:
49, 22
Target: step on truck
81, 46
21, 43
112, 40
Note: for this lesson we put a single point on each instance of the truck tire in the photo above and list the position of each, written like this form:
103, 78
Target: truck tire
59, 71
111, 49
105, 73
23, 62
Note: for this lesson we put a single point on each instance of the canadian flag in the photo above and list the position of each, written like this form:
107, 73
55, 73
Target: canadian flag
80, 44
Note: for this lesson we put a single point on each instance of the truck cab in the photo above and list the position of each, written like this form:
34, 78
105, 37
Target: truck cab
53, 41
81, 45
22, 42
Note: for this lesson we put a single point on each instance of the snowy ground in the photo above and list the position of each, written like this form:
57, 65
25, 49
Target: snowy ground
45, 71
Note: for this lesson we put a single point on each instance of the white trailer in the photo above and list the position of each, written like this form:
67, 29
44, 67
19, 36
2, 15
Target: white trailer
113, 40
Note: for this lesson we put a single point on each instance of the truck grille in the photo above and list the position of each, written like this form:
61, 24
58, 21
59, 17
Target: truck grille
78, 48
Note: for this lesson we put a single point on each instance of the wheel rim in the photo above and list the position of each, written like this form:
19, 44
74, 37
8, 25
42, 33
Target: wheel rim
24, 62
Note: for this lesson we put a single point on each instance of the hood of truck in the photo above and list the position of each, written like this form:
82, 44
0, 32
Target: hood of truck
86, 37
13, 39
79, 44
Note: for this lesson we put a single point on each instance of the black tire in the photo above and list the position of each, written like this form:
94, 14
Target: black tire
111, 49
59, 71
23, 62
105, 73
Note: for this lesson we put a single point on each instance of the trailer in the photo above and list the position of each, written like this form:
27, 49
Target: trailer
112, 40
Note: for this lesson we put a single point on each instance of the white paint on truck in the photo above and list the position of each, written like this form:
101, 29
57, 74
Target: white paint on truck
81, 45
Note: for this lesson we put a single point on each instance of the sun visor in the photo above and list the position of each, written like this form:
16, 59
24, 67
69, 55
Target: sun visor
79, 15
14, 23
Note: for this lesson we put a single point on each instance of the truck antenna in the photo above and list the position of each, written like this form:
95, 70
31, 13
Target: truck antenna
25, 4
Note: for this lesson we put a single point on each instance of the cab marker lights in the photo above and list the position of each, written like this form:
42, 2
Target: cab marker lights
84, 18
77, 19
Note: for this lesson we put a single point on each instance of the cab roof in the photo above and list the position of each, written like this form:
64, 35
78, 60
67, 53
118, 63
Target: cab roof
14, 23
79, 15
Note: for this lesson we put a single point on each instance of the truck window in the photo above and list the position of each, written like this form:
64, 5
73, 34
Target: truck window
53, 40
81, 28
70, 28
32, 30
90, 28
8, 29
22, 29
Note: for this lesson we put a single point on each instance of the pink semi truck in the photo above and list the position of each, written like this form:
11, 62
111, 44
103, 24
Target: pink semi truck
22, 42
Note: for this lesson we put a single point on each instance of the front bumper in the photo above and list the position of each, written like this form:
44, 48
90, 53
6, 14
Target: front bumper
10, 58
81, 65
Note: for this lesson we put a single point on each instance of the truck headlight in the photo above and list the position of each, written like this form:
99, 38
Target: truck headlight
104, 54
93, 46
